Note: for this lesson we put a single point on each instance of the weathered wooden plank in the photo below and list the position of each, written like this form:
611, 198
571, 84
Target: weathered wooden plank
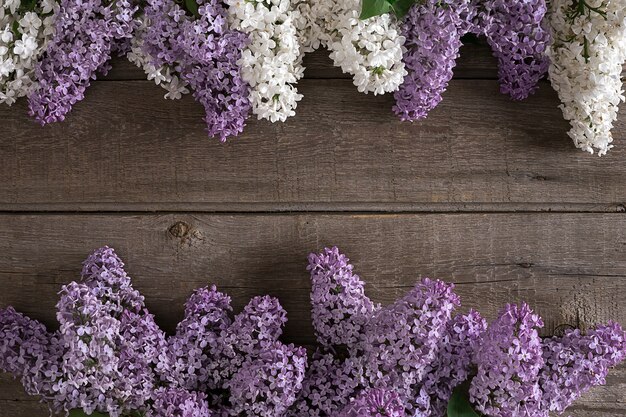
570, 267
124, 148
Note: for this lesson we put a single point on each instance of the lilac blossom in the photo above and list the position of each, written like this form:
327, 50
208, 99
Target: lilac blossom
29, 352
454, 361
367, 347
509, 360
239, 363
87, 34
267, 385
433, 31
433, 38
402, 340
340, 306
111, 342
205, 52
518, 39
329, 384
576, 362
405, 359
178, 402
375, 403
206, 317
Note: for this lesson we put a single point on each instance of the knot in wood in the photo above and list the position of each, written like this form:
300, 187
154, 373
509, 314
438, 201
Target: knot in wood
179, 230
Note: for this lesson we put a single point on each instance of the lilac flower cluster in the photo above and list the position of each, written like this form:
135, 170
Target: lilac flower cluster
29, 352
575, 362
521, 375
519, 40
110, 356
406, 359
204, 51
178, 402
454, 360
509, 360
111, 343
433, 31
398, 348
87, 34
340, 307
242, 357
433, 38
375, 403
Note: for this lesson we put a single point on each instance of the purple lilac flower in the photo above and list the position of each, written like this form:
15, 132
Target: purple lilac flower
29, 352
205, 52
103, 272
340, 306
509, 360
388, 348
206, 317
267, 385
87, 33
454, 360
575, 362
111, 343
375, 403
433, 31
178, 402
253, 331
238, 363
433, 39
515, 33
328, 386
402, 340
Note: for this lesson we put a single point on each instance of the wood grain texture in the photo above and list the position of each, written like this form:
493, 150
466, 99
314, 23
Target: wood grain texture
463, 195
125, 148
570, 267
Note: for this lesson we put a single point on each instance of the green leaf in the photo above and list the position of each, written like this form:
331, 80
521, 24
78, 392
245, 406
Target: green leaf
192, 7
402, 7
77, 412
16, 30
371, 8
459, 404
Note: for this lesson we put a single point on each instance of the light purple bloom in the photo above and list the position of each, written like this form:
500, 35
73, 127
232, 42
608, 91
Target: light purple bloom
433, 38
177, 402
433, 31
576, 362
267, 385
87, 34
515, 32
205, 52
340, 306
29, 352
111, 342
454, 360
375, 403
509, 359
239, 364
369, 347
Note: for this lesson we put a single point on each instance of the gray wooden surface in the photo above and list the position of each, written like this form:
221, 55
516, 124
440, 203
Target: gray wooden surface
487, 193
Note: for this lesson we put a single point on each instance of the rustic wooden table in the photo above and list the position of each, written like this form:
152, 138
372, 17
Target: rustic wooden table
488, 193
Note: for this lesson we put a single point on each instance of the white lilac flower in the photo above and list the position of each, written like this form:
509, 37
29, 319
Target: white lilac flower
163, 76
272, 61
587, 52
370, 49
24, 33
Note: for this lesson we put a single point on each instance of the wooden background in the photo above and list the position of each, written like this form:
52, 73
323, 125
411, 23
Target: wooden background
488, 193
